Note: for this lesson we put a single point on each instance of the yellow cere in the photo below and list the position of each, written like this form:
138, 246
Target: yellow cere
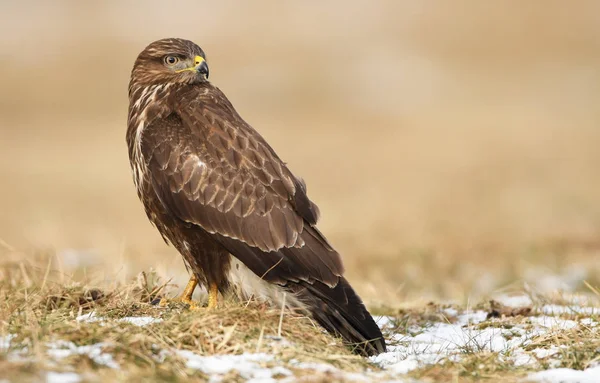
197, 61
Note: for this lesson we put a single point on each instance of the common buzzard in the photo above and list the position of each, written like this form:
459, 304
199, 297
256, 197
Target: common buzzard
222, 197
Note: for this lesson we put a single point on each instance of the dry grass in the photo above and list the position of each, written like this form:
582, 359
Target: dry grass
40, 308
41, 311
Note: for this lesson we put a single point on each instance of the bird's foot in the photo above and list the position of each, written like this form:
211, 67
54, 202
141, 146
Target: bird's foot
213, 300
193, 305
185, 297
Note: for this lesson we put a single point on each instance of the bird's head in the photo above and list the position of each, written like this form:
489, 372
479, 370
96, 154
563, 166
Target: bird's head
169, 61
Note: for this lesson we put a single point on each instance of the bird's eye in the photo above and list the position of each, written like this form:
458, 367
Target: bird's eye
171, 60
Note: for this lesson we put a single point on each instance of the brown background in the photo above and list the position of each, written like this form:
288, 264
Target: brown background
451, 146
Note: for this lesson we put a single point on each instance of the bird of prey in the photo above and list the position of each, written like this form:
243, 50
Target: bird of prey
219, 193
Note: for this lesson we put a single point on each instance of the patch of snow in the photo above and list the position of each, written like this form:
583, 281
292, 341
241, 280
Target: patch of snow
62, 377
435, 342
566, 375
558, 310
546, 352
141, 321
62, 349
438, 341
90, 317
5, 341
249, 366
553, 322
319, 367
334, 374
588, 322
472, 317
521, 358
411, 362
265, 368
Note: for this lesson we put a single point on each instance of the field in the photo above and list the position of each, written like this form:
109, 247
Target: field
452, 150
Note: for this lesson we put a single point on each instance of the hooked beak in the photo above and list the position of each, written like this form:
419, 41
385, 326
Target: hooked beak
200, 66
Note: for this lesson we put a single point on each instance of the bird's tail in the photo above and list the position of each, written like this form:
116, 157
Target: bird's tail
341, 312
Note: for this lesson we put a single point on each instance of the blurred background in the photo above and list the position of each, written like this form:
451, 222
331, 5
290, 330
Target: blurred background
451, 146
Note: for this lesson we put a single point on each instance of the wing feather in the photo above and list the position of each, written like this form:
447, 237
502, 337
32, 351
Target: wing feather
211, 169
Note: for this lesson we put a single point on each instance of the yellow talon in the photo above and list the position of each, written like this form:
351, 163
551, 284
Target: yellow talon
186, 295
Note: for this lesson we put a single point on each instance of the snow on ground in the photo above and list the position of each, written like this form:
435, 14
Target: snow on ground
61, 349
252, 367
90, 317
558, 310
138, 321
566, 375
462, 334
62, 377
5, 342
430, 342
141, 321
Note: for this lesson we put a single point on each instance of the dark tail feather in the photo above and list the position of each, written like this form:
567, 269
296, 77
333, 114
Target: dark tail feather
342, 313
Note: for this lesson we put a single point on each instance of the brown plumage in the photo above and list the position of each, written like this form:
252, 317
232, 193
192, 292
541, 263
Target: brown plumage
215, 189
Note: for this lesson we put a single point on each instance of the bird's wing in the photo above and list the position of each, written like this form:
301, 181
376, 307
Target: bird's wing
210, 168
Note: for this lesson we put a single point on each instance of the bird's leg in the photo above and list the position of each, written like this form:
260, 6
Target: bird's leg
186, 295
213, 295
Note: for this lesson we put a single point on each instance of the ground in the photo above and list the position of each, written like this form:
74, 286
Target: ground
64, 331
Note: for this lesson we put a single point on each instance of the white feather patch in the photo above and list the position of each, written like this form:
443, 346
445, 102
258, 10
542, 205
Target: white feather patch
140, 107
247, 285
